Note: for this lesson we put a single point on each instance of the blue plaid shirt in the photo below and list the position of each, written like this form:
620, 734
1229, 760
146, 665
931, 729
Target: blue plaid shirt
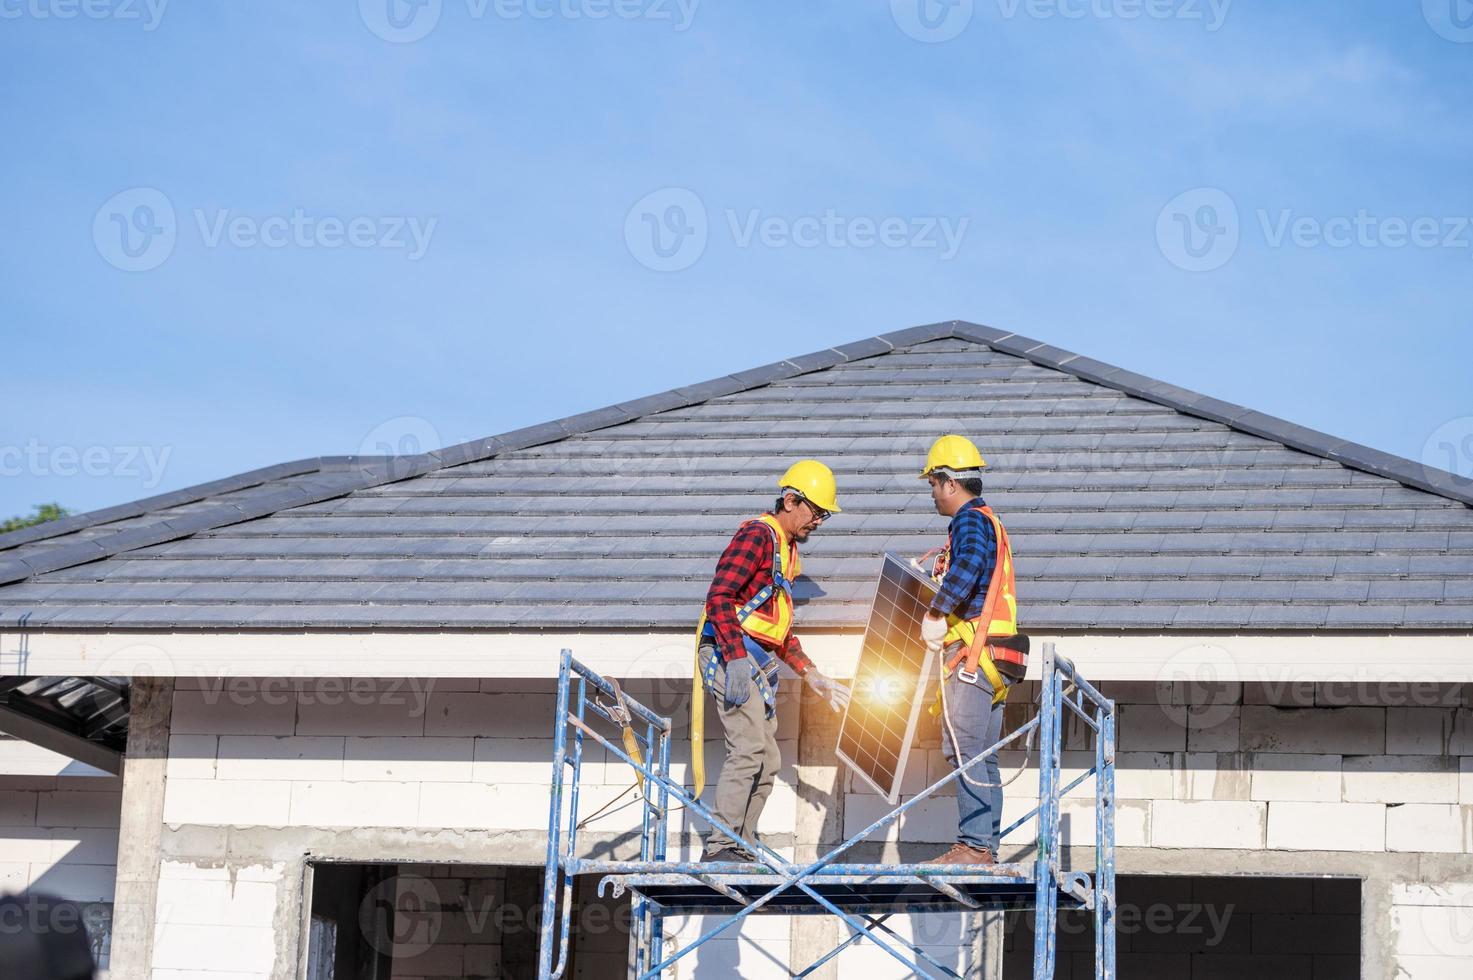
973, 555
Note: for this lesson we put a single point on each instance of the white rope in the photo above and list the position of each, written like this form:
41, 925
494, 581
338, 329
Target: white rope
956, 745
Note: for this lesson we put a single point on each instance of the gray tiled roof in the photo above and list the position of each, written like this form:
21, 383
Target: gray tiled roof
1132, 504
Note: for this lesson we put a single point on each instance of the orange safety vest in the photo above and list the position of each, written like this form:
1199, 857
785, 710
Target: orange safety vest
999, 617
768, 615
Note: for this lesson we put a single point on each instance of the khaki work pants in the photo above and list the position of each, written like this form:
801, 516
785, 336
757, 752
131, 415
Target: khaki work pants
750, 769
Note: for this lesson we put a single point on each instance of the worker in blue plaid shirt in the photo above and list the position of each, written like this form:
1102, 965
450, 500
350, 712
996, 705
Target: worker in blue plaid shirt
975, 596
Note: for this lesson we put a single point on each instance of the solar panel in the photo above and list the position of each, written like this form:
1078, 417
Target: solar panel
890, 681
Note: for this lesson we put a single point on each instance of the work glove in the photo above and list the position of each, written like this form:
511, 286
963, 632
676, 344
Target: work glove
738, 682
933, 632
827, 688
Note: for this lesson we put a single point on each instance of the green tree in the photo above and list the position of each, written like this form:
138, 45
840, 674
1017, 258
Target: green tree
44, 513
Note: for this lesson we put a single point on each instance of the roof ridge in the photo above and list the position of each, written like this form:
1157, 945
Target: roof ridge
374, 471
347, 474
1349, 454
688, 395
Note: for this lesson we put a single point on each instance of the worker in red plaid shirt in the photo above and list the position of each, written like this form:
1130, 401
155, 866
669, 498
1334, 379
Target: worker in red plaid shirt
747, 630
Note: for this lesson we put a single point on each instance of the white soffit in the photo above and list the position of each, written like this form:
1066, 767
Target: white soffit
1268, 658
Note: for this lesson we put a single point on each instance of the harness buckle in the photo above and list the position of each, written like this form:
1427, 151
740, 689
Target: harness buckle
967, 676
618, 711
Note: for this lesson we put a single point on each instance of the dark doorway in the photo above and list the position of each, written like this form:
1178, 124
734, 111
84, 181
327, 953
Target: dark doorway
1211, 928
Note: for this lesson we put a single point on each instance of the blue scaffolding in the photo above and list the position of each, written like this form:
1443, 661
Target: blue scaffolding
863, 896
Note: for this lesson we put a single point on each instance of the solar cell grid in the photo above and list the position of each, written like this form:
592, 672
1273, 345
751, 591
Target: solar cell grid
890, 680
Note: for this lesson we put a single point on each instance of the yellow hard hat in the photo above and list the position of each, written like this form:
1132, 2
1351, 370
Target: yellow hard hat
814, 481
954, 453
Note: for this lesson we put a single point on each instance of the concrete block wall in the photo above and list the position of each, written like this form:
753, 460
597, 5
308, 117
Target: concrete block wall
1431, 930
428, 754
758, 947
22, 758
331, 753
945, 937
217, 921
59, 835
1286, 776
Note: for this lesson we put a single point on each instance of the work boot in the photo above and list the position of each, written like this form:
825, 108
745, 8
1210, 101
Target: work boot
965, 854
727, 855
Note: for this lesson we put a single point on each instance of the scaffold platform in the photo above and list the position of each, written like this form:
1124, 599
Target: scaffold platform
862, 896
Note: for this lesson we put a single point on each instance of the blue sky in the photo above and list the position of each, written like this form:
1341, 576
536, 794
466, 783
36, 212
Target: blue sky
211, 261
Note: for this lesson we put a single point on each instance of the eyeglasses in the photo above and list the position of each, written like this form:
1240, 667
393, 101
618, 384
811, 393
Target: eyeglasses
819, 514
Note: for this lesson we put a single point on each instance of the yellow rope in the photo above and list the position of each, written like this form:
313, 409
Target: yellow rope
698, 716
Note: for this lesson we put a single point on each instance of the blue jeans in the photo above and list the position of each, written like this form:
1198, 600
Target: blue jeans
978, 725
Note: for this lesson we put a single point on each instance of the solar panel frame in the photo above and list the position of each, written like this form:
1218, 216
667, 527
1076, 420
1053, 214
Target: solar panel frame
903, 593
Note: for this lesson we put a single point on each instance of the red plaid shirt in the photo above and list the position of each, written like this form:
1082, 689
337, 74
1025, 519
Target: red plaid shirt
744, 570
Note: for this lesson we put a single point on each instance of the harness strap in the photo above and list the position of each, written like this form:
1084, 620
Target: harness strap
979, 657
994, 586
619, 711
754, 603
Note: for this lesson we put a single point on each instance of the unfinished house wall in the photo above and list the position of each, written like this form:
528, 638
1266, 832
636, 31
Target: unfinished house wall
263, 776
